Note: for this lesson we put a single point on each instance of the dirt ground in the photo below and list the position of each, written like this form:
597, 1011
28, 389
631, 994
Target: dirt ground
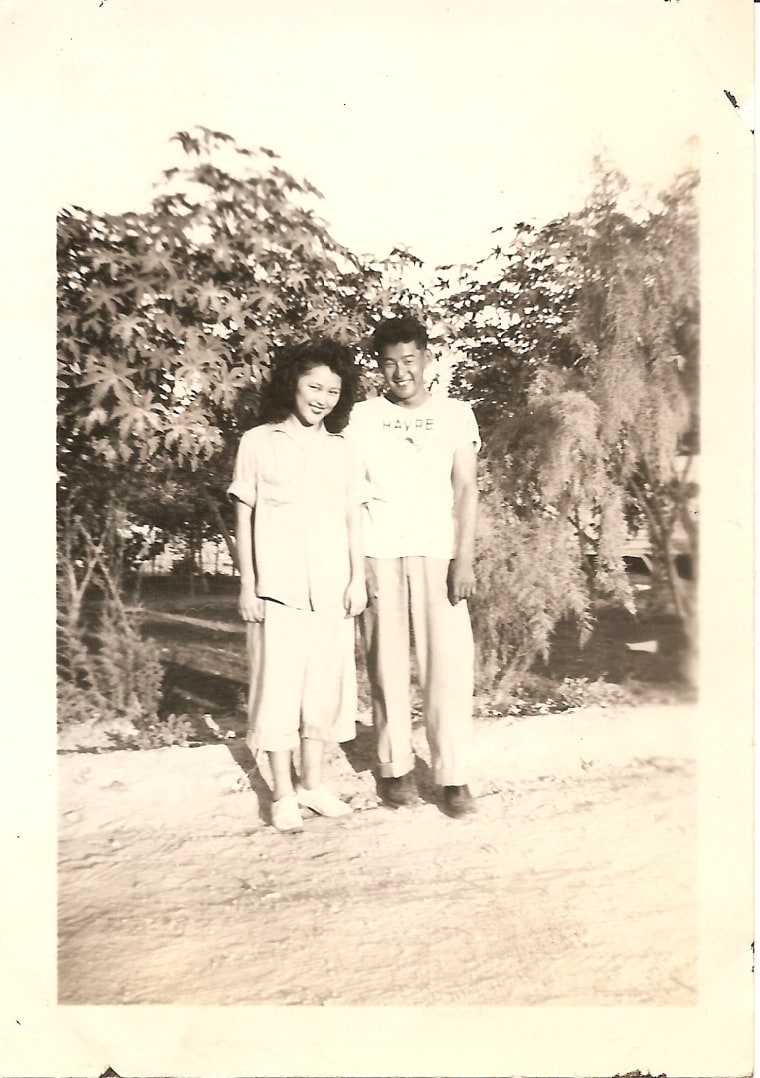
575, 883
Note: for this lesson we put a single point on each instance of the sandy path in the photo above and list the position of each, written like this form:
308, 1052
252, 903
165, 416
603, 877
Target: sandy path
575, 883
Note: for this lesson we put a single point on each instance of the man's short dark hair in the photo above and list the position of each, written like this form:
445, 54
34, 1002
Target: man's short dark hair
400, 330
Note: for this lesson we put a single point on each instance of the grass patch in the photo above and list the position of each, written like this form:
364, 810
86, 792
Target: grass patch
205, 669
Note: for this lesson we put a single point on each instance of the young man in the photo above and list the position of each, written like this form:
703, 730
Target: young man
419, 454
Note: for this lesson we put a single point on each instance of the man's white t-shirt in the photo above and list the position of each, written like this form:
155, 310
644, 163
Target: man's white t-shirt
407, 455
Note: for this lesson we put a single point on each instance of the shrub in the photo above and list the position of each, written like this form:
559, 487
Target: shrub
535, 695
107, 671
580, 692
529, 578
172, 730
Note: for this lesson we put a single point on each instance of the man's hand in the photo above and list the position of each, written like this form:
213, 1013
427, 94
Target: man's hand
461, 581
250, 605
355, 598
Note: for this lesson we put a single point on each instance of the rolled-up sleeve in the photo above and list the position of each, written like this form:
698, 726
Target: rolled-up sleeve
468, 433
244, 484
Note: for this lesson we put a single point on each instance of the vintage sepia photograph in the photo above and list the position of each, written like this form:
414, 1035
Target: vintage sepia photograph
401, 527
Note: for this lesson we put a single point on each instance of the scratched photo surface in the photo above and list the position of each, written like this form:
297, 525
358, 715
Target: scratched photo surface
563, 194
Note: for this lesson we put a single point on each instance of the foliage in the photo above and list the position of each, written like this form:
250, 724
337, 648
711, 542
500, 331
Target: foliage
166, 324
528, 580
540, 696
577, 342
105, 670
580, 692
580, 346
637, 324
162, 733
167, 318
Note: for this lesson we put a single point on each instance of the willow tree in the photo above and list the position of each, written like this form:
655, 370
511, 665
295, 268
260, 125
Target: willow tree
580, 351
636, 325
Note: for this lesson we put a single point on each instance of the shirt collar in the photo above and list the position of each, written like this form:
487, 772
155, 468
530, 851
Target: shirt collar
286, 427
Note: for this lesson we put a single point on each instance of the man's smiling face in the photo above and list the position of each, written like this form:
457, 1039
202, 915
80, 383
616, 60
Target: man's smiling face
403, 368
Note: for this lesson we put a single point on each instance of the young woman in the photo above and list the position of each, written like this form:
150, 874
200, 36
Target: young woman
298, 506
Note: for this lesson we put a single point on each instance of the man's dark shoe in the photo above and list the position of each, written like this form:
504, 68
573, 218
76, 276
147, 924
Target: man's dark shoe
398, 791
458, 801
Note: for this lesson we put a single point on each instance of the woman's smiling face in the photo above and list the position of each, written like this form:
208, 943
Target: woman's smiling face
317, 393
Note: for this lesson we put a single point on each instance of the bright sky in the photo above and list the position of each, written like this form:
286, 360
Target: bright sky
424, 124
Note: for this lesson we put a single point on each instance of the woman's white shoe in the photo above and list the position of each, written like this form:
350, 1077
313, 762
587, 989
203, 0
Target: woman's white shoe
286, 815
322, 801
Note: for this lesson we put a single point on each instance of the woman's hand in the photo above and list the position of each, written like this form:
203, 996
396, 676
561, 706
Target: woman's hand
355, 598
250, 605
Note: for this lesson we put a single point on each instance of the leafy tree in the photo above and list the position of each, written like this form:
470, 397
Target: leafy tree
580, 350
166, 316
166, 324
636, 325
529, 578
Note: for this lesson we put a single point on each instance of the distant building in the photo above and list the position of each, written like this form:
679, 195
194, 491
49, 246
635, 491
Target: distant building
215, 559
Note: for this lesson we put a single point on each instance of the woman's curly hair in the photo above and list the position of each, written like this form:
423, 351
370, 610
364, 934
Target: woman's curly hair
278, 394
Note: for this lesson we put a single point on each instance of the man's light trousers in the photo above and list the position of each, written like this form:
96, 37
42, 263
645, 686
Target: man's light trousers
400, 588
